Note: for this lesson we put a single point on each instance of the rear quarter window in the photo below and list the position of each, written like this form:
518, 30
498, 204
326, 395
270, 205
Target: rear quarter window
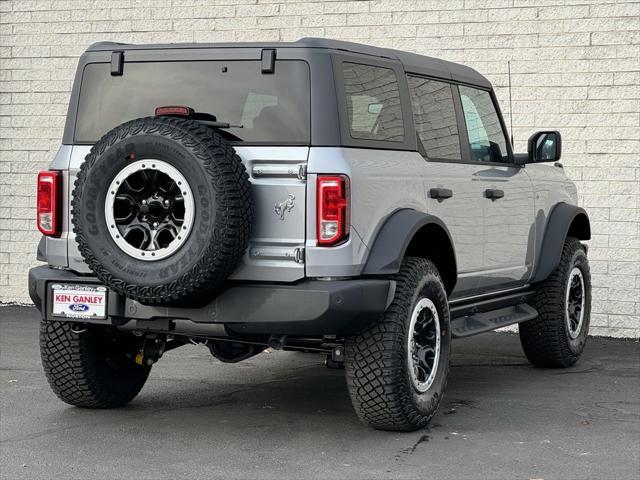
270, 108
373, 106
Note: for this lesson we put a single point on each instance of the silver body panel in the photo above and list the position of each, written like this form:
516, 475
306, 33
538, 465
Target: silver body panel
508, 227
496, 242
276, 175
276, 247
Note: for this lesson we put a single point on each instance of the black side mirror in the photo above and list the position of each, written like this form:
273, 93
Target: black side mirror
544, 146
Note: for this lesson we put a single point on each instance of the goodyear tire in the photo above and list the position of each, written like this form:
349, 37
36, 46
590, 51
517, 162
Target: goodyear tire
557, 338
92, 368
162, 209
397, 368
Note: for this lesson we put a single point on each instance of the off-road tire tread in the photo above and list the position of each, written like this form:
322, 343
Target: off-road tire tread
233, 204
545, 338
375, 358
69, 366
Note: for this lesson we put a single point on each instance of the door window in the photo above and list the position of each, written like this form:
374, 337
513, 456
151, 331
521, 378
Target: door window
373, 102
487, 141
434, 117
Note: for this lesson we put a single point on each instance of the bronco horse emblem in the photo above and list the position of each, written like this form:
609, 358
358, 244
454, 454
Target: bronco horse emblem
283, 207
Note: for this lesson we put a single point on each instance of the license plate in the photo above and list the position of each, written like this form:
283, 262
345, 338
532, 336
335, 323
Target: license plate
79, 301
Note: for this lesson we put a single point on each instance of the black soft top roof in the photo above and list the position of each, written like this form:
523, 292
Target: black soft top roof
412, 62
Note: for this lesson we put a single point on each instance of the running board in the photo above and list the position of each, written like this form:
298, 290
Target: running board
476, 323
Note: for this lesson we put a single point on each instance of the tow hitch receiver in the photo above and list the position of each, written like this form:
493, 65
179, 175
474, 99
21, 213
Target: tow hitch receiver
152, 349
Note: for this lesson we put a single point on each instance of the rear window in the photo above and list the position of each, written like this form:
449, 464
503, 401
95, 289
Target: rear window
271, 108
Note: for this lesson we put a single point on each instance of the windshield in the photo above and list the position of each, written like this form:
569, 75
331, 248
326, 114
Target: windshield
270, 108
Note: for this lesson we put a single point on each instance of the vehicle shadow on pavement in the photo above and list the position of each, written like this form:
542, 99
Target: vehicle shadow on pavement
284, 415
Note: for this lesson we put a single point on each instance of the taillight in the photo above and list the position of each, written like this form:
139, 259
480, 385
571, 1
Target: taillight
48, 208
332, 209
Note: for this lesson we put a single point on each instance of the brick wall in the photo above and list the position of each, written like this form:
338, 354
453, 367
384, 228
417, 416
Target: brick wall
575, 66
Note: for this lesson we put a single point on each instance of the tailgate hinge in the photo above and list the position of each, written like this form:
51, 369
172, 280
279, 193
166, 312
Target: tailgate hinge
277, 253
302, 171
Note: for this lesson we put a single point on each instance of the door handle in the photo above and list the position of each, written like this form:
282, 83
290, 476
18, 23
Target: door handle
493, 193
440, 193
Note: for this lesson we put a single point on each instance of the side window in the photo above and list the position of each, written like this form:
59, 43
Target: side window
487, 141
434, 116
373, 102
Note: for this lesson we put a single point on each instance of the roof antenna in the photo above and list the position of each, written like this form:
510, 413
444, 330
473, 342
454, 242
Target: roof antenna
510, 104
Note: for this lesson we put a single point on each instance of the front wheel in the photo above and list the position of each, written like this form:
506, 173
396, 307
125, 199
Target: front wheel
91, 367
558, 336
397, 368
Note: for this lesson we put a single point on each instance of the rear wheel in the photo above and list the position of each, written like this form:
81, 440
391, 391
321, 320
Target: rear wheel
397, 368
91, 367
558, 336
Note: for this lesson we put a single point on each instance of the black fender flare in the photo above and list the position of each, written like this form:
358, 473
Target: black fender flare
393, 238
558, 227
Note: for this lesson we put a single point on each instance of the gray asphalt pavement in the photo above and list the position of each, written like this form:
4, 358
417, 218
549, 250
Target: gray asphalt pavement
284, 415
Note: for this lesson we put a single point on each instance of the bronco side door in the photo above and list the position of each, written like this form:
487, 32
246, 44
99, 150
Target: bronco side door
451, 185
507, 194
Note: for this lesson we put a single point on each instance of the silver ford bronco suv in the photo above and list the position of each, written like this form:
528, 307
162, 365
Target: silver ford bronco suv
325, 196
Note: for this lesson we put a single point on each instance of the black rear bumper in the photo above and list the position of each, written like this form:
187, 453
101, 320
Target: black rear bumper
311, 307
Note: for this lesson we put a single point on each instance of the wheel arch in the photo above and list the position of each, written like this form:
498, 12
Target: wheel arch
408, 232
565, 220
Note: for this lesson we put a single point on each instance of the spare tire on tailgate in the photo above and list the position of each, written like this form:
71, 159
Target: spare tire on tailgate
162, 209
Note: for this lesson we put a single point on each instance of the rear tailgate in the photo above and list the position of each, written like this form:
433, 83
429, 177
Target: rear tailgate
276, 246
269, 118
